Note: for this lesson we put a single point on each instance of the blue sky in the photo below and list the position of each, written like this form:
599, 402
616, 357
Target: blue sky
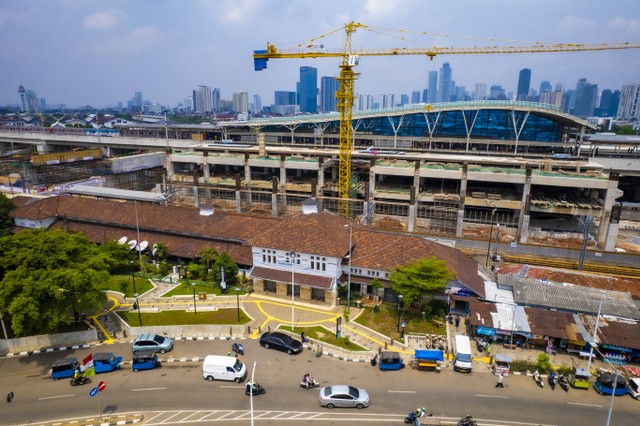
85, 52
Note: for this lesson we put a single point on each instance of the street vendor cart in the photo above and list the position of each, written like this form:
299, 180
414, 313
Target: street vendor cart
502, 364
580, 378
427, 359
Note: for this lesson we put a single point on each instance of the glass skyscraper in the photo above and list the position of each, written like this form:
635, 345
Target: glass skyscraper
328, 89
307, 90
524, 82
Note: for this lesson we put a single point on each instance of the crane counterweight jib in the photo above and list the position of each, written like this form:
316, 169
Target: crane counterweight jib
259, 64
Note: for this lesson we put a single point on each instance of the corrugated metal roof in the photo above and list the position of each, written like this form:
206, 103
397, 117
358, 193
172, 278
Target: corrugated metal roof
510, 317
573, 298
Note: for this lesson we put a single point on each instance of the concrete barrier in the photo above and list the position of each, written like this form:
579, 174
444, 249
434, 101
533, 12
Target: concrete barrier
26, 344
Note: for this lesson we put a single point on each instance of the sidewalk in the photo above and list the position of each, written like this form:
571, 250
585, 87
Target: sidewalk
268, 313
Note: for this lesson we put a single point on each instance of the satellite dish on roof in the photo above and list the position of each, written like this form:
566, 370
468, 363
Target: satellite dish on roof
122, 240
206, 211
144, 245
132, 244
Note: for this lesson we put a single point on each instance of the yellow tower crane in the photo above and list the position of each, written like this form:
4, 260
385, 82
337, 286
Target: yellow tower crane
350, 58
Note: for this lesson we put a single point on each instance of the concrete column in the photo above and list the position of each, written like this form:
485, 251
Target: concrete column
274, 196
614, 225
411, 220
169, 165
206, 173
522, 233
196, 199
610, 197
262, 151
320, 175
247, 169
283, 174
461, 203
238, 194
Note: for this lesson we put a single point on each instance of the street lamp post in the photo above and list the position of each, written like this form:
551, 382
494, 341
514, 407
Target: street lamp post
400, 297
513, 324
253, 372
349, 274
195, 309
238, 302
595, 332
292, 258
138, 306
493, 213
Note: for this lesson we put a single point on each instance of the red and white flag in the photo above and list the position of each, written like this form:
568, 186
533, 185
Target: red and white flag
87, 366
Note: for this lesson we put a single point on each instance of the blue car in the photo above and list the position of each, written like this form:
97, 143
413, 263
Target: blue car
390, 360
605, 384
104, 362
145, 360
64, 368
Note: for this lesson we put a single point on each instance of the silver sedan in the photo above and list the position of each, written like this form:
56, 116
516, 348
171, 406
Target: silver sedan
343, 396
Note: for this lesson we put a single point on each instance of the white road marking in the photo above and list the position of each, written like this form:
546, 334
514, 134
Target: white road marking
584, 404
400, 391
492, 396
147, 389
58, 396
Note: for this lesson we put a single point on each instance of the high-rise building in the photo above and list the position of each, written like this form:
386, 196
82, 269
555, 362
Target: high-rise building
202, 99
387, 100
444, 86
629, 108
404, 100
28, 100
552, 98
215, 100
240, 102
281, 97
524, 82
481, 91
364, 102
585, 98
497, 92
307, 90
432, 88
415, 97
257, 104
615, 103
545, 86
328, 89
137, 102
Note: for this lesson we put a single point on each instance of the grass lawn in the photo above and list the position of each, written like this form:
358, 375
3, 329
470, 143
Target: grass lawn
185, 289
124, 284
385, 321
221, 316
324, 335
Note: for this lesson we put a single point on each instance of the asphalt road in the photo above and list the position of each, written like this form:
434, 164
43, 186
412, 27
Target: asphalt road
176, 393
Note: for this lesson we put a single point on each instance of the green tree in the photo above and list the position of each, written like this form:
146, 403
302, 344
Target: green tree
6, 221
624, 130
45, 275
416, 279
208, 257
162, 252
230, 270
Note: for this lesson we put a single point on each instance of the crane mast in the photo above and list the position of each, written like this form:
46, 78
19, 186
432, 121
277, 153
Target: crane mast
347, 78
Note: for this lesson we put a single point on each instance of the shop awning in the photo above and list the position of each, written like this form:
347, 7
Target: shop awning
486, 331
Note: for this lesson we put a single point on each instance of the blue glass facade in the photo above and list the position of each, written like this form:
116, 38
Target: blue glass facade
489, 124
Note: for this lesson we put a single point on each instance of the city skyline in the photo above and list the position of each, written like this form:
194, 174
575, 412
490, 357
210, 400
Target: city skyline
83, 53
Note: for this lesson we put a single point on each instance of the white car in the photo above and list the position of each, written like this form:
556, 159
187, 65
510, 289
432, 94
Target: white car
343, 396
633, 385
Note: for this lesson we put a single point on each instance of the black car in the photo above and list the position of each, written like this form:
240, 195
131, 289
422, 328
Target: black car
281, 341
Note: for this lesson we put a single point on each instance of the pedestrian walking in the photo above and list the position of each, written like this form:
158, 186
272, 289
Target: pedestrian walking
500, 384
457, 321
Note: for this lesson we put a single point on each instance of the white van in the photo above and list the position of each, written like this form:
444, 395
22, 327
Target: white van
462, 361
217, 367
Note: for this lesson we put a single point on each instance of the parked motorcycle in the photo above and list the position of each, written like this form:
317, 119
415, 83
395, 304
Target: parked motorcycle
553, 380
311, 384
253, 388
237, 348
538, 379
481, 344
79, 381
467, 421
564, 383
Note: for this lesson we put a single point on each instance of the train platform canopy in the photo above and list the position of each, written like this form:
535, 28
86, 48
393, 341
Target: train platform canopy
122, 194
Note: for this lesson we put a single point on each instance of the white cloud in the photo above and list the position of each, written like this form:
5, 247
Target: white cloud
571, 23
103, 20
624, 25
138, 41
234, 11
